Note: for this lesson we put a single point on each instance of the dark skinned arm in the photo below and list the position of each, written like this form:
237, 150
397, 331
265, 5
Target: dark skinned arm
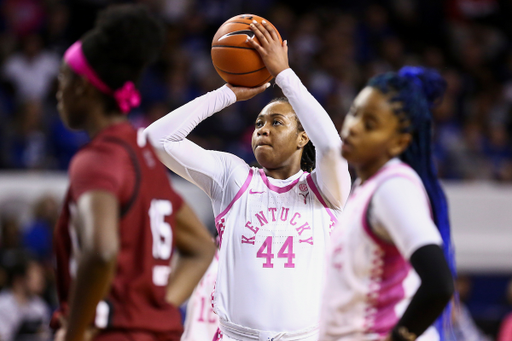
97, 229
196, 250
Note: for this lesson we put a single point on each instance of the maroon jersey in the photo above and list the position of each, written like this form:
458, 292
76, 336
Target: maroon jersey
114, 161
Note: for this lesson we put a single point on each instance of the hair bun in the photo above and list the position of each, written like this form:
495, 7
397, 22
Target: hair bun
129, 33
430, 82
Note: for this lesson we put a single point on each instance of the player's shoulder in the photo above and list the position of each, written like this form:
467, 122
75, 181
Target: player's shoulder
396, 168
100, 155
98, 150
7, 299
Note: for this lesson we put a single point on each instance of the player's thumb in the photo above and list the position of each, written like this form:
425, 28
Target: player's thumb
257, 90
261, 88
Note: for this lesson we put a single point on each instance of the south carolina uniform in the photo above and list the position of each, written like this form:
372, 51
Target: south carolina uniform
370, 282
274, 233
119, 161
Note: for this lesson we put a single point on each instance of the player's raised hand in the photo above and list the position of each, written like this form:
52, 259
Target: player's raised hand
273, 52
243, 93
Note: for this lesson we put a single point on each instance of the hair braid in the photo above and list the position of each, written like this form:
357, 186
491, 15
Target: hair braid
418, 90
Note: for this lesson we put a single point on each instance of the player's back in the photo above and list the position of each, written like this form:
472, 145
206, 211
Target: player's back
136, 300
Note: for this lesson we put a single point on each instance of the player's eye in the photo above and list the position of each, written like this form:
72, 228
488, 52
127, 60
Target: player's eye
276, 122
369, 125
258, 124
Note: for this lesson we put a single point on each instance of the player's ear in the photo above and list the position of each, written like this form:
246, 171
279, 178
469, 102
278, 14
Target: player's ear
400, 144
303, 139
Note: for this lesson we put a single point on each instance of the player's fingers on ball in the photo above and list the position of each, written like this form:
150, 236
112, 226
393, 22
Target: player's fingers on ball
252, 42
264, 30
258, 33
271, 30
256, 46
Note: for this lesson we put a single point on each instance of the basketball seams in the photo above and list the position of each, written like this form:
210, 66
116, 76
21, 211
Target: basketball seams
239, 73
239, 22
234, 47
235, 61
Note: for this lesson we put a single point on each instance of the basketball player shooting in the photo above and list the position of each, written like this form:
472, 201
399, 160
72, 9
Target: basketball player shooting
274, 223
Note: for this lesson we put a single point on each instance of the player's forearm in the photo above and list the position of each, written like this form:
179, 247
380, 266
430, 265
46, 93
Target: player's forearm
176, 125
431, 298
94, 276
313, 117
187, 273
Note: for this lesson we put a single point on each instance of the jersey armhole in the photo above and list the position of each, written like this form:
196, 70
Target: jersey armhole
125, 208
314, 188
388, 246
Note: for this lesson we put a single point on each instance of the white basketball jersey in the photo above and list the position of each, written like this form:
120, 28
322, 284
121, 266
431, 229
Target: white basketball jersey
369, 284
272, 254
201, 323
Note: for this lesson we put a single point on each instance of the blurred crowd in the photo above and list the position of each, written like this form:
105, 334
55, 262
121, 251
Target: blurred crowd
334, 48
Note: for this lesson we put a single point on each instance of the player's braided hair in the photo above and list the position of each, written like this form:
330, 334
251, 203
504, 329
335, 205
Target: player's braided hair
307, 161
418, 90
124, 40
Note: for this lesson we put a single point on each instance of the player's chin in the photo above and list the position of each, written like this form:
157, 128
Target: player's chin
74, 122
264, 158
63, 114
348, 155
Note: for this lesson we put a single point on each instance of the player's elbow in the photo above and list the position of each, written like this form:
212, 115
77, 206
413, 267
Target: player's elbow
440, 291
209, 251
150, 135
444, 291
330, 149
102, 252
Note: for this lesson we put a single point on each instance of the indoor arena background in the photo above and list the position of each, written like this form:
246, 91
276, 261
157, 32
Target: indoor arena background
334, 48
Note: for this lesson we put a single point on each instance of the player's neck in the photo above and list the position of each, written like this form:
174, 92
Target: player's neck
366, 171
19, 295
99, 122
282, 173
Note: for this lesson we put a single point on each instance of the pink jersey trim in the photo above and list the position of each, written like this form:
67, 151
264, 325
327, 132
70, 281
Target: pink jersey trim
379, 241
384, 244
217, 336
237, 196
277, 188
387, 291
389, 272
353, 194
315, 190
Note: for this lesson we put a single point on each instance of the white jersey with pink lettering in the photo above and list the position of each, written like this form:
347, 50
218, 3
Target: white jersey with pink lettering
274, 232
370, 282
201, 323
276, 236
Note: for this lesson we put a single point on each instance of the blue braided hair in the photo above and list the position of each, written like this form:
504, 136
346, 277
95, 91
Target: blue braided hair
418, 90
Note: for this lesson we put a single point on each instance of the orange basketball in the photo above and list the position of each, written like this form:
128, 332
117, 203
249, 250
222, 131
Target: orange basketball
234, 59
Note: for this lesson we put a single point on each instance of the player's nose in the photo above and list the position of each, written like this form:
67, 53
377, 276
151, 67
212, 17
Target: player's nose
263, 130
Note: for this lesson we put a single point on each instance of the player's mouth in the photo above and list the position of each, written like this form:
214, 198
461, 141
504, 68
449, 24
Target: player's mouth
262, 144
347, 145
